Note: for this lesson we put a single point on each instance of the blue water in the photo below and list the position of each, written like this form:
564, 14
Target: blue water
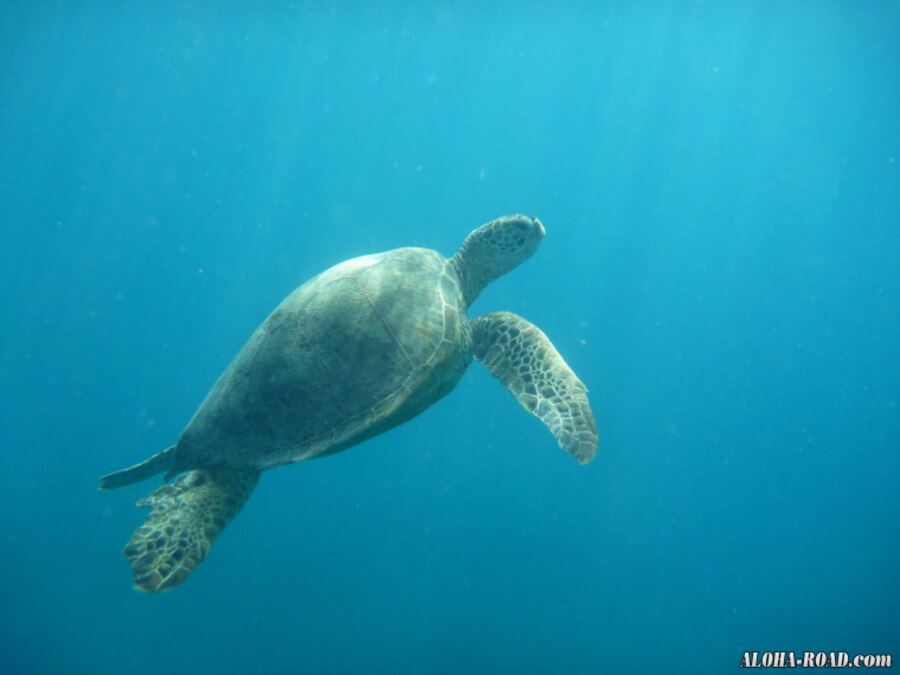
720, 183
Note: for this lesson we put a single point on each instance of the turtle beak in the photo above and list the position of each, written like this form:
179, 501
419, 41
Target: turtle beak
540, 226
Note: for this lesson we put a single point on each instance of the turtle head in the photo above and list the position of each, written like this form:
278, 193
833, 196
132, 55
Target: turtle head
494, 249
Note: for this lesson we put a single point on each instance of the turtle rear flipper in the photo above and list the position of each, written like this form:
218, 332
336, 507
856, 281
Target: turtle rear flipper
526, 362
161, 461
185, 519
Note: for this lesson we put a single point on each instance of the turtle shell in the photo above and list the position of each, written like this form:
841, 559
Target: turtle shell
353, 352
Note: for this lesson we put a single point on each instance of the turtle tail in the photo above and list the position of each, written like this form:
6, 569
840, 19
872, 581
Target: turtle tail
161, 461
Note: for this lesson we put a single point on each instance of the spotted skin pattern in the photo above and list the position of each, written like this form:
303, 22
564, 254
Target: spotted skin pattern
525, 361
185, 520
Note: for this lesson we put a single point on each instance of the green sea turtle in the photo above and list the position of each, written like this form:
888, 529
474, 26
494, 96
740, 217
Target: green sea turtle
352, 353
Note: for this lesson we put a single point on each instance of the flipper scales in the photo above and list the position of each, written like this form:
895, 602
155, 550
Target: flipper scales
519, 355
185, 518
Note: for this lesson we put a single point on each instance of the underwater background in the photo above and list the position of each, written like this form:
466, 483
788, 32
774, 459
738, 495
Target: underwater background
720, 184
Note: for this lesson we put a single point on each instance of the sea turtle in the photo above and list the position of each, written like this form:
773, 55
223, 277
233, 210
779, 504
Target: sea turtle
352, 353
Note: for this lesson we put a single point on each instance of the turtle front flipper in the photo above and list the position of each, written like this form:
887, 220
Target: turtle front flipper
186, 518
526, 362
